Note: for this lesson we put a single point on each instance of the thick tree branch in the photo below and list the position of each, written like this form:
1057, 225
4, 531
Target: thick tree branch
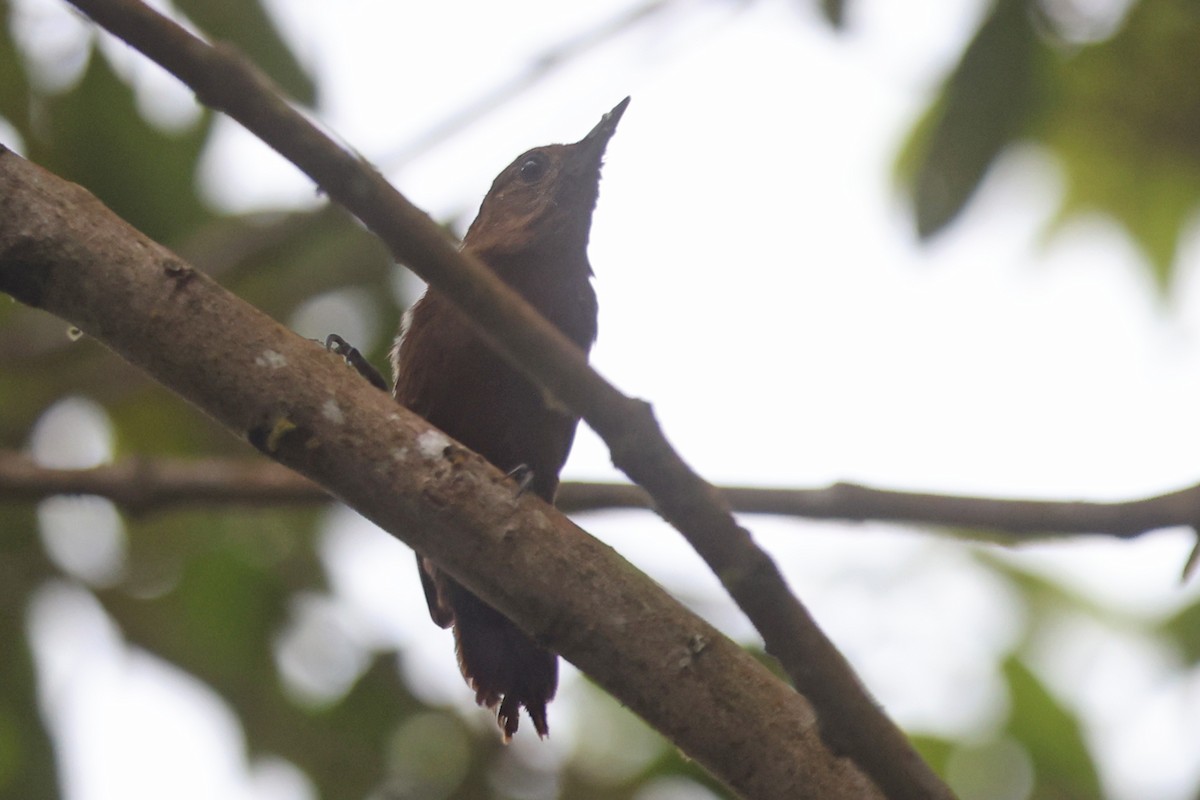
850, 721
143, 485
62, 251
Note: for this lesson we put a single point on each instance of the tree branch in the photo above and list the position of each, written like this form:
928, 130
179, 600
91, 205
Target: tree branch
144, 485
152, 484
62, 251
849, 719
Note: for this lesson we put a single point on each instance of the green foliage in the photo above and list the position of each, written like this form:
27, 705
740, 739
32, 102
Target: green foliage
978, 112
14, 81
1182, 629
27, 767
1052, 736
834, 12
934, 750
1049, 731
1120, 115
144, 174
211, 593
1123, 118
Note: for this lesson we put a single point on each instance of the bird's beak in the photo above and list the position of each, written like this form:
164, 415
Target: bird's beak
598, 136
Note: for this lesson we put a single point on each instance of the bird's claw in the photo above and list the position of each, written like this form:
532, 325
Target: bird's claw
339, 346
522, 474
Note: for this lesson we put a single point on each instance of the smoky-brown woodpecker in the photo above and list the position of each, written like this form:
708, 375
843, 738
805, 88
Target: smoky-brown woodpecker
532, 230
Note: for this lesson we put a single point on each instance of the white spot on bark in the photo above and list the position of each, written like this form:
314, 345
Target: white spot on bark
333, 412
432, 443
400, 454
270, 358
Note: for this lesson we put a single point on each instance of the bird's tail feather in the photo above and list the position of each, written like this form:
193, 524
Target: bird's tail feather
505, 667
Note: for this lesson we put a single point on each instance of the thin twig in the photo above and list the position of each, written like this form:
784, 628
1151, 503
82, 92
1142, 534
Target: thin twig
144, 485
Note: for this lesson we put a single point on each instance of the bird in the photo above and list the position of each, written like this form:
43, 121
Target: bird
532, 230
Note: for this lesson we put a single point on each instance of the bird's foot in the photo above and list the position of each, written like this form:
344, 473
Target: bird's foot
339, 346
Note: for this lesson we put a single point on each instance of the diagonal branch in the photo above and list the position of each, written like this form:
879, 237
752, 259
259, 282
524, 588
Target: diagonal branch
144, 485
849, 719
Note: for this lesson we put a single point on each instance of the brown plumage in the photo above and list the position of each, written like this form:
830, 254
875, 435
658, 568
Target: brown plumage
532, 230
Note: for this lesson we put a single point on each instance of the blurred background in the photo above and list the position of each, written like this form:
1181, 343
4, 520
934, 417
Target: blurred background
944, 246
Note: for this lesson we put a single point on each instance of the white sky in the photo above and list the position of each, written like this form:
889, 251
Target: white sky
760, 283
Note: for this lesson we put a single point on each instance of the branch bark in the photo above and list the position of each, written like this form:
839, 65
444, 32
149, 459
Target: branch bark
152, 484
849, 719
62, 251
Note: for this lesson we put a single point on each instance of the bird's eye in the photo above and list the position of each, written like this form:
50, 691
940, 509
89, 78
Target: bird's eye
532, 169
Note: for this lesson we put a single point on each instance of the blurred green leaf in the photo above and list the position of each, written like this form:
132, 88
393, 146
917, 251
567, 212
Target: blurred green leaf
983, 105
934, 750
14, 80
1041, 594
246, 24
142, 173
294, 258
211, 592
221, 614
834, 12
211, 596
1183, 629
27, 759
1053, 737
346, 747
149, 420
1123, 117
